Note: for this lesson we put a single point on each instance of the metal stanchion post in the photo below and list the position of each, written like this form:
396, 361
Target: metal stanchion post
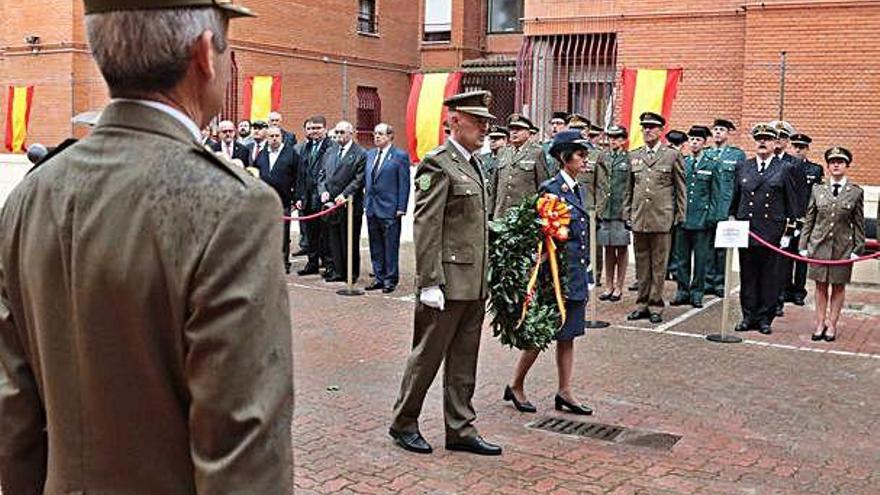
723, 337
594, 323
350, 289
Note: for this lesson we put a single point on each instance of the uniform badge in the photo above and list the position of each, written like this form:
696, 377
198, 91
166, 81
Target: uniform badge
424, 182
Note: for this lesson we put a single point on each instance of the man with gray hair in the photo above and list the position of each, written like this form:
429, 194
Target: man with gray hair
145, 340
275, 119
228, 145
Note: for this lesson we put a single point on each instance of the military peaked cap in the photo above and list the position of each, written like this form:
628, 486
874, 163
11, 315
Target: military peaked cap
577, 121
568, 140
783, 128
101, 6
473, 102
498, 131
563, 116
595, 130
676, 137
616, 131
765, 131
519, 121
699, 131
801, 139
725, 124
651, 118
838, 153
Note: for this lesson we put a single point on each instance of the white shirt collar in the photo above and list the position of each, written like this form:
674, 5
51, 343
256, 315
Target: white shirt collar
655, 147
345, 148
280, 147
465, 153
568, 180
168, 110
842, 182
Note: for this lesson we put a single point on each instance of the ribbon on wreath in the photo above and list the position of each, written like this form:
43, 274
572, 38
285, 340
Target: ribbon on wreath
554, 216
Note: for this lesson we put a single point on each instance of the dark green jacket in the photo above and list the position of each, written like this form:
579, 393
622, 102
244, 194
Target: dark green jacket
704, 185
728, 158
612, 172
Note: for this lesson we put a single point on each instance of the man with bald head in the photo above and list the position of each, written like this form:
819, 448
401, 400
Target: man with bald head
228, 145
275, 119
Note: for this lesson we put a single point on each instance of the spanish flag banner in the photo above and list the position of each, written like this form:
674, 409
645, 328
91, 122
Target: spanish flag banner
425, 112
262, 94
647, 90
18, 114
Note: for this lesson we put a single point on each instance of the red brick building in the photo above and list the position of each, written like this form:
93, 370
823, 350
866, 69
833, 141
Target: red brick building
543, 55
345, 59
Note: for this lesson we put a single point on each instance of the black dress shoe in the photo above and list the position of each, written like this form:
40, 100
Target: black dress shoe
475, 445
579, 409
335, 278
680, 301
799, 301
697, 304
719, 293
605, 296
411, 441
389, 289
655, 318
819, 336
525, 407
375, 286
639, 314
765, 328
287, 269
308, 270
742, 326
830, 337
614, 297
634, 287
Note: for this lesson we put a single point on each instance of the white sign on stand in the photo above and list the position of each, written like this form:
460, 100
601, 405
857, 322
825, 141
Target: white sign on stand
732, 234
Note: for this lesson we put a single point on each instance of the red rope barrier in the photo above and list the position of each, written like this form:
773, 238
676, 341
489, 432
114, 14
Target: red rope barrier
319, 214
810, 260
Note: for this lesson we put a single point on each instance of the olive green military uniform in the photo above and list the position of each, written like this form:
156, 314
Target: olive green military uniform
519, 172
550, 164
451, 237
693, 236
655, 201
612, 174
489, 162
145, 331
728, 158
834, 229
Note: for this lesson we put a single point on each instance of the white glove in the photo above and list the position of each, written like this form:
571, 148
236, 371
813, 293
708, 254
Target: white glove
433, 297
803, 252
853, 256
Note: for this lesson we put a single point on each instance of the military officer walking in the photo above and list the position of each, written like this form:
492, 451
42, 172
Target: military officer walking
145, 340
692, 237
520, 167
795, 272
655, 202
765, 194
451, 236
729, 157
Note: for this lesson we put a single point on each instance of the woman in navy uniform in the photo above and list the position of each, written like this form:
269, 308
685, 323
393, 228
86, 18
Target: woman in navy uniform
571, 151
834, 229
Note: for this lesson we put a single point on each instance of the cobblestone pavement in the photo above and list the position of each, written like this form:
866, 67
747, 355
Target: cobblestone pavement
769, 416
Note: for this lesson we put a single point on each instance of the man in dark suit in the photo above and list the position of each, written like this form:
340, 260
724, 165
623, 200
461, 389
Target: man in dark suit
343, 178
275, 121
318, 150
259, 129
387, 179
229, 145
765, 194
278, 164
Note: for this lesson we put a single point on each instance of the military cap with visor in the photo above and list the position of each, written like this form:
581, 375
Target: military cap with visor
616, 131
676, 137
519, 121
800, 140
783, 128
103, 6
498, 131
725, 124
595, 130
651, 118
577, 121
562, 116
699, 131
568, 140
475, 103
764, 131
838, 153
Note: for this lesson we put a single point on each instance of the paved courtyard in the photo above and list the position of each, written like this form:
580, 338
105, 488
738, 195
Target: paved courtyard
776, 414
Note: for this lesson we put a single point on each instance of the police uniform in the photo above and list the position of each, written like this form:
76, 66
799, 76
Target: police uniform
145, 333
519, 172
451, 237
676, 139
765, 194
692, 237
729, 157
795, 289
834, 227
654, 203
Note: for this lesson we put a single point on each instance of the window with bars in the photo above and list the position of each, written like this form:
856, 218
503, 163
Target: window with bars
368, 21
369, 114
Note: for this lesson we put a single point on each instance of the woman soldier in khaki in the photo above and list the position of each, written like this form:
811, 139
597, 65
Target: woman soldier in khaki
834, 229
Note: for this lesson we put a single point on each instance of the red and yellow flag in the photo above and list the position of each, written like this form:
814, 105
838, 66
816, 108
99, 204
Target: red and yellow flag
262, 94
18, 114
647, 90
425, 112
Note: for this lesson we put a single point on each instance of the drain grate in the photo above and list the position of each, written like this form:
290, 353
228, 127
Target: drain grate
598, 431
607, 433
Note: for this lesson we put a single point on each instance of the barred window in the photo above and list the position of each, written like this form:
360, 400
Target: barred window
369, 113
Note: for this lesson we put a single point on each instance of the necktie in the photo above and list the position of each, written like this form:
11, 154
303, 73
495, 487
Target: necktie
256, 151
835, 189
761, 167
474, 163
341, 151
577, 192
377, 164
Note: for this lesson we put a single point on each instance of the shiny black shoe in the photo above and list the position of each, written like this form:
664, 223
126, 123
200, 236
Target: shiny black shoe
376, 285
411, 441
830, 337
615, 297
389, 289
579, 409
799, 301
655, 318
719, 293
634, 287
639, 314
605, 296
525, 407
698, 303
765, 329
474, 445
742, 326
819, 336
308, 270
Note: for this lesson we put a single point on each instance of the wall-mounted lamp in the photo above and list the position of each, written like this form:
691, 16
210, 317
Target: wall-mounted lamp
34, 42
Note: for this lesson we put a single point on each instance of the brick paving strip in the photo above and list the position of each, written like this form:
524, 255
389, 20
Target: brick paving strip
775, 415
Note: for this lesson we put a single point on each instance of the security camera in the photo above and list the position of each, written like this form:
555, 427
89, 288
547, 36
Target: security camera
31, 39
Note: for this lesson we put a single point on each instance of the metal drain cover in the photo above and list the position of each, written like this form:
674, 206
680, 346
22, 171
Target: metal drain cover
605, 432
